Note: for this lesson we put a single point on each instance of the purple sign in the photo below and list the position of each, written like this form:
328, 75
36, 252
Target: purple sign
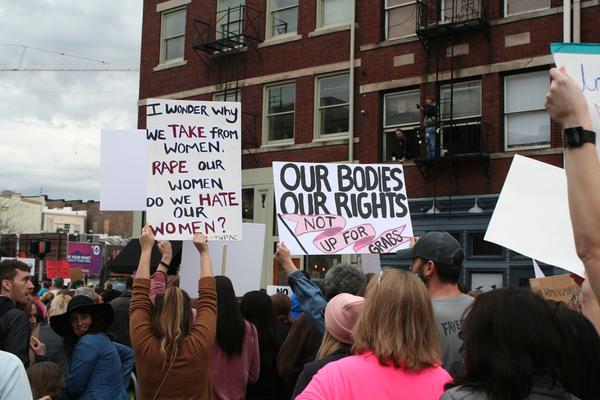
87, 256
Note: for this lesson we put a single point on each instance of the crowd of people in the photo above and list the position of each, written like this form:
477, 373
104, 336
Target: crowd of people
393, 335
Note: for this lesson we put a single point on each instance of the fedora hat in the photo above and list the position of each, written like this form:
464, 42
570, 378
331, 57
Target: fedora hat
61, 324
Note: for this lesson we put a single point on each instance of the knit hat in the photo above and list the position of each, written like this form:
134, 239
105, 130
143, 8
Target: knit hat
341, 314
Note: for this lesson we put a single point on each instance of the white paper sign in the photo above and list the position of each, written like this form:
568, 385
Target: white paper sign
243, 261
582, 63
369, 263
532, 215
274, 289
193, 169
28, 261
537, 270
122, 173
341, 208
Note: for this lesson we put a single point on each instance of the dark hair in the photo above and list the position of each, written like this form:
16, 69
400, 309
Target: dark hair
58, 282
129, 282
282, 306
450, 273
580, 349
9, 268
230, 323
342, 278
46, 284
45, 379
510, 337
257, 308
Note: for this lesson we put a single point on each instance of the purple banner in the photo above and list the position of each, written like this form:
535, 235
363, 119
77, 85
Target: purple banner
87, 256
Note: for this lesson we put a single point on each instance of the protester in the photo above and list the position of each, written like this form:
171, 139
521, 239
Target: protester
257, 308
171, 349
234, 358
341, 315
282, 306
590, 306
437, 259
56, 351
58, 284
99, 368
15, 290
44, 288
14, 384
109, 293
396, 347
45, 379
37, 349
120, 305
47, 299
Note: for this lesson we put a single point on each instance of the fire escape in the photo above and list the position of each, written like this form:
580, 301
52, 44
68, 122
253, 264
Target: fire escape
226, 45
441, 24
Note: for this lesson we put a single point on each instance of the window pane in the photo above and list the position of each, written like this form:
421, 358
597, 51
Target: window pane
461, 10
174, 24
225, 4
526, 92
531, 128
466, 102
519, 6
334, 120
317, 266
402, 109
231, 95
233, 28
391, 3
334, 90
281, 126
401, 21
248, 205
277, 4
174, 48
285, 21
281, 99
480, 247
337, 11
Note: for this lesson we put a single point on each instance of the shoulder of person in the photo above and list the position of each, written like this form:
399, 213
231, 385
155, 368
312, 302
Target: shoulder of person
462, 393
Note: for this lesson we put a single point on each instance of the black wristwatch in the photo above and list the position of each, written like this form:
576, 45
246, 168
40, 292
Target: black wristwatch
575, 137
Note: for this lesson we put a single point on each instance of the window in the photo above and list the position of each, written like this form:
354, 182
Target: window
400, 110
460, 10
334, 12
512, 7
333, 105
280, 103
229, 95
173, 35
526, 122
400, 18
482, 248
248, 205
283, 17
466, 102
486, 280
230, 18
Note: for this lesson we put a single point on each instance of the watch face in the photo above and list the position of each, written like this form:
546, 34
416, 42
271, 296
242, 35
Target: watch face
574, 138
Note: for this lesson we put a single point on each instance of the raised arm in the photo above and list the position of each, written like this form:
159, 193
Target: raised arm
146, 244
158, 283
567, 105
205, 325
206, 269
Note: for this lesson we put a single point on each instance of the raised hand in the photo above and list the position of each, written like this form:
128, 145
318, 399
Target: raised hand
146, 239
200, 241
164, 246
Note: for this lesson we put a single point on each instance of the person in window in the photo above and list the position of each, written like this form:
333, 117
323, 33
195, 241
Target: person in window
430, 125
400, 154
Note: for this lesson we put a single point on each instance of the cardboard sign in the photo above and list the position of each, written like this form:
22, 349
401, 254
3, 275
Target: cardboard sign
193, 169
274, 289
582, 63
531, 224
28, 261
341, 208
76, 274
58, 268
241, 261
87, 256
559, 288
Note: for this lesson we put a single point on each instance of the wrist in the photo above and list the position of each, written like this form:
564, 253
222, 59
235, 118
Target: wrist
578, 120
166, 260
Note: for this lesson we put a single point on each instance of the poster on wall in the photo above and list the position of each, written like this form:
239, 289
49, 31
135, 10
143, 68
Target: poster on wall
341, 208
87, 256
193, 169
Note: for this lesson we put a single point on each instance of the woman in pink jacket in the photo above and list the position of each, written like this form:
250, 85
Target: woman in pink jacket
396, 348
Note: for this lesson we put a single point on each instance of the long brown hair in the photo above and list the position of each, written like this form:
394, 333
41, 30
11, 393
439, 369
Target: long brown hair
171, 320
329, 345
396, 322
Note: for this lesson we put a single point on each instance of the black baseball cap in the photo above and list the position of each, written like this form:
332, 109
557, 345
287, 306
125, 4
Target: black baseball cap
438, 247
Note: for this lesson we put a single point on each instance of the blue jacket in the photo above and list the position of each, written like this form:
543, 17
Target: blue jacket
100, 369
310, 298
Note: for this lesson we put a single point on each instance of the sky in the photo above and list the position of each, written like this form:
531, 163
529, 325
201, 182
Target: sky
50, 121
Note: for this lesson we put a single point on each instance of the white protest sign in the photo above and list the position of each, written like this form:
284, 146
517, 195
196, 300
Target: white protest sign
341, 208
194, 169
243, 261
538, 273
274, 289
369, 263
532, 215
28, 261
582, 63
122, 173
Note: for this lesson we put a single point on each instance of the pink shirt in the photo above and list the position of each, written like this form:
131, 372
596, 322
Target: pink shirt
362, 377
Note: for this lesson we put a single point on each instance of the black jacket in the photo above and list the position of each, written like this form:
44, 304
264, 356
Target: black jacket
14, 330
120, 326
311, 368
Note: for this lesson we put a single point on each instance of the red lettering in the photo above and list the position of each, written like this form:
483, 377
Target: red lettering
170, 167
180, 131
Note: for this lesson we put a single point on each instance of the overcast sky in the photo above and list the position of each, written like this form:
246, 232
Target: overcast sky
50, 121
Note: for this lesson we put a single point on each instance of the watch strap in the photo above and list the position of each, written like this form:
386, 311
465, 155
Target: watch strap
577, 136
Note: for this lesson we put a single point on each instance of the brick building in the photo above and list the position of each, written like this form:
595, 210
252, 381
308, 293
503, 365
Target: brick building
483, 62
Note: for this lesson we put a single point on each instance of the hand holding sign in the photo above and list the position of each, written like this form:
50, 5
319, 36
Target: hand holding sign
200, 243
565, 101
146, 239
165, 249
283, 256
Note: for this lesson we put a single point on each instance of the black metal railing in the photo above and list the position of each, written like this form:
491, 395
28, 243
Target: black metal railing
465, 13
463, 138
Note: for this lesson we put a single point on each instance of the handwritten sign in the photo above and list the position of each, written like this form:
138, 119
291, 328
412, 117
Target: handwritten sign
87, 256
274, 289
341, 208
558, 288
193, 169
582, 63
58, 268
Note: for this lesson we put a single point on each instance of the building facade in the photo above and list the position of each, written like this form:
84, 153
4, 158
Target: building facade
484, 65
20, 214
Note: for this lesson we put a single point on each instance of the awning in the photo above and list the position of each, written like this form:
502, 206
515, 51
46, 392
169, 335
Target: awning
127, 260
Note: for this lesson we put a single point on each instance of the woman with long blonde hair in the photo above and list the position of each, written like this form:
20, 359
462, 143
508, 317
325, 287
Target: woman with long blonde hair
172, 349
396, 347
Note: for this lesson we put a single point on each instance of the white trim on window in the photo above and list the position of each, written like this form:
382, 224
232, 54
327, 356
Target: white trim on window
321, 15
413, 16
220, 96
317, 136
269, 22
506, 14
265, 114
163, 61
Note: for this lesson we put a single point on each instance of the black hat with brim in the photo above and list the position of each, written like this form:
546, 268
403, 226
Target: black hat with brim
439, 247
61, 324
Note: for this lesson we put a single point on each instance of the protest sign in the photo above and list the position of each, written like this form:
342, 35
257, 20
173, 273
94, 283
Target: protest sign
341, 208
582, 63
122, 172
241, 261
57, 268
28, 261
536, 227
369, 263
273, 289
537, 270
87, 256
193, 169
76, 274
558, 288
